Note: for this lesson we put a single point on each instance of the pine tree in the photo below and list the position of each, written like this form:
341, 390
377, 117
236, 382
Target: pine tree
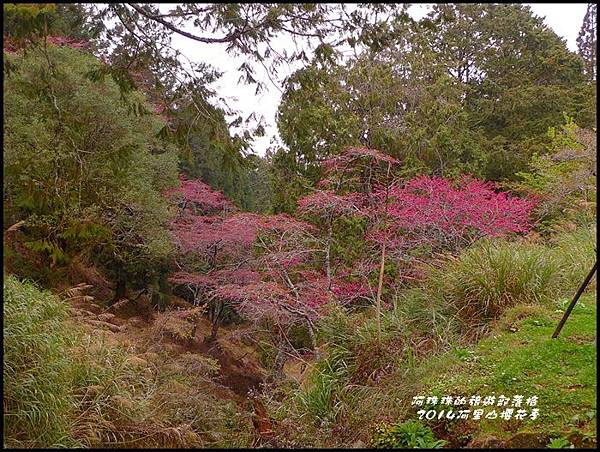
586, 41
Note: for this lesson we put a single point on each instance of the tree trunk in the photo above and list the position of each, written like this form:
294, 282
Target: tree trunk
193, 334
214, 330
121, 286
277, 370
215, 318
282, 348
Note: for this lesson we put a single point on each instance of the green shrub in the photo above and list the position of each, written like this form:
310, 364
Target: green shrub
354, 359
559, 443
320, 396
318, 399
84, 169
410, 434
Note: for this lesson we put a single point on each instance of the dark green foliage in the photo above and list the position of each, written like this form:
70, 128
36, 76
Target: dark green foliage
73, 20
27, 21
288, 180
484, 84
246, 29
31, 21
82, 169
218, 159
587, 40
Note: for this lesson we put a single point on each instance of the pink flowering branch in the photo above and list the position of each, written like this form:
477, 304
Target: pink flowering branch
440, 214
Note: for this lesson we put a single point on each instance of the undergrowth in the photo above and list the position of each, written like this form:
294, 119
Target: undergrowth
37, 371
493, 275
362, 379
65, 386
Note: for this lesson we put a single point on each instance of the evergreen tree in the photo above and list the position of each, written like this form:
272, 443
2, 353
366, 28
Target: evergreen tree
586, 40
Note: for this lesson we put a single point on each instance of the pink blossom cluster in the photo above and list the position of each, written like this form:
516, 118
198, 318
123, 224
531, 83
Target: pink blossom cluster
8, 45
435, 211
347, 291
317, 292
225, 238
200, 195
286, 259
13, 46
259, 300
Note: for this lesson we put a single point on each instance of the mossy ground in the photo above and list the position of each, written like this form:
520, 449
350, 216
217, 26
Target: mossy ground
520, 357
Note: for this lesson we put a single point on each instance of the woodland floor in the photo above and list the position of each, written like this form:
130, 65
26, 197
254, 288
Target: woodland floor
517, 357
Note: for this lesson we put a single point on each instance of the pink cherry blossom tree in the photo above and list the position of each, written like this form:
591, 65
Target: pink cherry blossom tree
242, 260
433, 214
364, 170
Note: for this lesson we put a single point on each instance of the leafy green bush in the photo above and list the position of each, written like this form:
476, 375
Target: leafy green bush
320, 395
84, 166
410, 434
319, 398
559, 443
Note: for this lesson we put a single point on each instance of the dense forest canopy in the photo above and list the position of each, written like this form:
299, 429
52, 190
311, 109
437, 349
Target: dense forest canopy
434, 184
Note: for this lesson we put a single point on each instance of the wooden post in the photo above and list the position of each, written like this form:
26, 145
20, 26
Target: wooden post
574, 301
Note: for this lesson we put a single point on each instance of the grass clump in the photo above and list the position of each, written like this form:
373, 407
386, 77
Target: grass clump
37, 371
575, 253
494, 275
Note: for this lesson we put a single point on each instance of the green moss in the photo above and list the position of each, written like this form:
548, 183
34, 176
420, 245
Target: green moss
525, 360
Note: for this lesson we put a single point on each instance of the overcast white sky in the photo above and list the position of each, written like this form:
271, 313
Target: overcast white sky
564, 18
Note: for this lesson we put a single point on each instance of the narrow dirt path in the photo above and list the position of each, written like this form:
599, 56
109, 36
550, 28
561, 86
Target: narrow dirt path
234, 373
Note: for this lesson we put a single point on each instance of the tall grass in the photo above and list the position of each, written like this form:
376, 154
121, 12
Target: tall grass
576, 253
493, 275
68, 387
488, 278
355, 358
37, 397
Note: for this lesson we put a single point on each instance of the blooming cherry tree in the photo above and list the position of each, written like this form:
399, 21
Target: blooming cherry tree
436, 214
